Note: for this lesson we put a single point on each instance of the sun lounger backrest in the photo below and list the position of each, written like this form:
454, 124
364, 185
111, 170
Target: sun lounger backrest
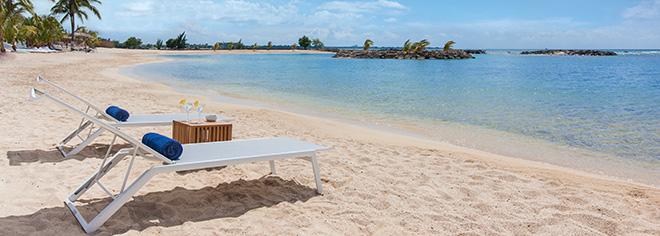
102, 112
36, 94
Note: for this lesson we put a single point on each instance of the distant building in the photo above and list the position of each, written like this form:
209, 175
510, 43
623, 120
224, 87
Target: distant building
107, 44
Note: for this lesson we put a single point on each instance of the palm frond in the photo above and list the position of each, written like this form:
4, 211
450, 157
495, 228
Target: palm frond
406, 46
367, 44
448, 45
254, 47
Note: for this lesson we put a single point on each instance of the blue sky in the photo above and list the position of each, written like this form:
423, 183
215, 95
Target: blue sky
477, 24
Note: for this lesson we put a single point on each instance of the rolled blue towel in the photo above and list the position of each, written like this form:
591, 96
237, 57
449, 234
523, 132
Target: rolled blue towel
117, 113
170, 148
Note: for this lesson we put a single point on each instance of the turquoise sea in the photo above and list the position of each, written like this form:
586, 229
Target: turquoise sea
594, 113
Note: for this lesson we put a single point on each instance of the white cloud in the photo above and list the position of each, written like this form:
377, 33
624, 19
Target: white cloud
228, 11
550, 23
320, 33
137, 9
529, 34
343, 33
195, 29
241, 12
348, 22
341, 23
368, 34
360, 7
327, 18
389, 35
645, 10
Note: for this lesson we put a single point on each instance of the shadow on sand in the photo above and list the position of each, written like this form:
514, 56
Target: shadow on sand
166, 208
16, 158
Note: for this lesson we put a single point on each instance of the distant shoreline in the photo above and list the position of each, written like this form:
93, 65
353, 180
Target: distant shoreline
561, 52
398, 54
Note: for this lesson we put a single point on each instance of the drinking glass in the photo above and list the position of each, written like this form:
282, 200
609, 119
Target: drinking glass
187, 106
199, 112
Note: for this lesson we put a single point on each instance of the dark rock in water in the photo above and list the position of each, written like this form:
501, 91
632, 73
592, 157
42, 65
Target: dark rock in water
572, 52
397, 54
470, 51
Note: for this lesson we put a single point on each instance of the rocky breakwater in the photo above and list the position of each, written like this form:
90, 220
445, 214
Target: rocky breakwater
397, 54
572, 52
472, 51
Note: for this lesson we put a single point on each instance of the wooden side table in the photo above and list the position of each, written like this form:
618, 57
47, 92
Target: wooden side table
189, 132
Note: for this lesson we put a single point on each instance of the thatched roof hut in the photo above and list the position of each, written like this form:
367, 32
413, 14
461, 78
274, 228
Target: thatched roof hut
78, 37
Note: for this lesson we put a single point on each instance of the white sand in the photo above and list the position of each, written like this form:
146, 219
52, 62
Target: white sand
375, 183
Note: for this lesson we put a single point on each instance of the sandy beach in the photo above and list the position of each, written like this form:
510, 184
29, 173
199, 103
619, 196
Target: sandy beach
375, 182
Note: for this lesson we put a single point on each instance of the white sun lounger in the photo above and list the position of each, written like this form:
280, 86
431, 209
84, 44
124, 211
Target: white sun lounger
134, 120
195, 156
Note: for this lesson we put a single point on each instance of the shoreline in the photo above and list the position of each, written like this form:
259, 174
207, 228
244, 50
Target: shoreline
376, 182
461, 135
412, 138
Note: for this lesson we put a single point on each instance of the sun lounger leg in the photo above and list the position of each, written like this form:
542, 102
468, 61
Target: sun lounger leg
113, 207
75, 132
119, 201
97, 175
272, 167
71, 136
317, 175
80, 146
84, 144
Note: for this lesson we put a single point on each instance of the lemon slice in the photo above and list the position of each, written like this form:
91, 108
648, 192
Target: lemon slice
182, 102
196, 103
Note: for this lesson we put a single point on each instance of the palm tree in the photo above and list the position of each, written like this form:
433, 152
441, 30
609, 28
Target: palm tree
180, 41
270, 45
9, 9
367, 44
406, 46
51, 30
12, 28
448, 45
35, 31
27, 35
421, 45
294, 46
71, 8
159, 43
216, 46
230, 46
254, 47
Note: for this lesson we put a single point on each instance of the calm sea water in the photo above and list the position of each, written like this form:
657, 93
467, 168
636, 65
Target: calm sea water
578, 106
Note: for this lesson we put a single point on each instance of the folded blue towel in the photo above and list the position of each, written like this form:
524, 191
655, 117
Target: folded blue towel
117, 113
170, 148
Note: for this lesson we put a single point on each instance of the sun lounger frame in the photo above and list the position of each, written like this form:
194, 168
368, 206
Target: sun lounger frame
93, 132
284, 148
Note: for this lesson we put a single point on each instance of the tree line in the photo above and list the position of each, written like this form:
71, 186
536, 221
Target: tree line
179, 43
39, 30
45, 29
